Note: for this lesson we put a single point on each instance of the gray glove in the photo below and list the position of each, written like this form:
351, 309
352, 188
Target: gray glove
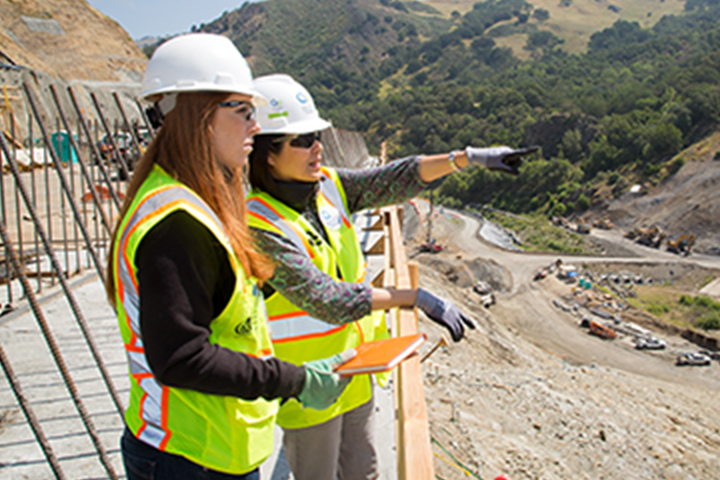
323, 386
504, 159
444, 313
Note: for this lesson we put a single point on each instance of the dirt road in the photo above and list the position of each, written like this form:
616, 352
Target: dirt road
531, 395
528, 308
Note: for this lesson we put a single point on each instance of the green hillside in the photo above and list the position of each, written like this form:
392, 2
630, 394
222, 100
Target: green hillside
428, 80
307, 37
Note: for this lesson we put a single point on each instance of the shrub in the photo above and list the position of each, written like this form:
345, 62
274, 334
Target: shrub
711, 321
658, 309
703, 301
686, 300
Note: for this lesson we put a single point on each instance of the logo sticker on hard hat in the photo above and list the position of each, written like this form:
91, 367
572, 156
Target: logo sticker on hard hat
275, 102
330, 217
301, 98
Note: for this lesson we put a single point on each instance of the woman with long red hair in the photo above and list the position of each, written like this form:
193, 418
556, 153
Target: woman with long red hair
183, 278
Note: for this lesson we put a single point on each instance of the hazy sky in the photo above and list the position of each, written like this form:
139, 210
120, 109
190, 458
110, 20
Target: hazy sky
162, 17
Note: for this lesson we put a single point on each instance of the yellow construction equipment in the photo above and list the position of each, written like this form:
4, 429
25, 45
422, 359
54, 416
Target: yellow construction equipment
604, 224
682, 244
650, 237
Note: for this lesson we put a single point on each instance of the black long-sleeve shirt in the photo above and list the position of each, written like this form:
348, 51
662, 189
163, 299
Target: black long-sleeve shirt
185, 280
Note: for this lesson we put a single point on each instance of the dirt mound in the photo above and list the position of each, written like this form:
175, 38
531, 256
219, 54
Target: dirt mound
68, 39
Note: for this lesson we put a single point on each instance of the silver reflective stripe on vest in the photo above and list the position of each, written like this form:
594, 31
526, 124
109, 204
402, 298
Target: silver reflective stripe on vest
131, 300
331, 192
151, 404
153, 432
302, 325
258, 207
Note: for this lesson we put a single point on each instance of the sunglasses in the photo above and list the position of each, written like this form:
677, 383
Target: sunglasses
245, 109
300, 141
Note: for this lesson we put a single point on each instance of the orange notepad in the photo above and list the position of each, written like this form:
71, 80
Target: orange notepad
381, 355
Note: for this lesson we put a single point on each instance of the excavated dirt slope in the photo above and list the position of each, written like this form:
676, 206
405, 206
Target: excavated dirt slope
68, 39
687, 202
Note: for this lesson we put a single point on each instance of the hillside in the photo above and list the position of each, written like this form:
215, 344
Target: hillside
297, 35
68, 39
686, 203
573, 21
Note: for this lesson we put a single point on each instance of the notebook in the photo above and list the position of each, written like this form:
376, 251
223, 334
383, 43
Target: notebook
381, 355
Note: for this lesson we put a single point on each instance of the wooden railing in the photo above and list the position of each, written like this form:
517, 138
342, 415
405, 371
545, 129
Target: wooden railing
414, 454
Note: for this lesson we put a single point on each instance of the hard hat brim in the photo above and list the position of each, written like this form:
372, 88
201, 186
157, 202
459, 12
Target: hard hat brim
258, 99
299, 128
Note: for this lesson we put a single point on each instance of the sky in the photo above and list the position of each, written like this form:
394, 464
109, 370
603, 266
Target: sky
159, 18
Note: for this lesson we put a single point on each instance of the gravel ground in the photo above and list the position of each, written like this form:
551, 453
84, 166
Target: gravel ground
531, 395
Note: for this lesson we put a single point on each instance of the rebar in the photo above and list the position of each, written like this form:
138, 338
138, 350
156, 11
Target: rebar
55, 351
30, 416
63, 282
64, 182
117, 154
83, 165
94, 149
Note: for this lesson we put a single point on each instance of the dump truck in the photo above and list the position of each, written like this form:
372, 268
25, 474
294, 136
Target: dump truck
681, 245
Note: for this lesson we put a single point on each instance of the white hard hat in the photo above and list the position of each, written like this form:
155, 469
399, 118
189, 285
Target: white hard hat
198, 62
291, 109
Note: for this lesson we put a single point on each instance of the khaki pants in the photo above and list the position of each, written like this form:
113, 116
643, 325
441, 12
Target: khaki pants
340, 449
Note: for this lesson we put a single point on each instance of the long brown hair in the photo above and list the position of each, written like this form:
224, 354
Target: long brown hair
183, 149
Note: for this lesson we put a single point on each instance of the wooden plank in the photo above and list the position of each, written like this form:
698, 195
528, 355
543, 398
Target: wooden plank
415, 459
378, 248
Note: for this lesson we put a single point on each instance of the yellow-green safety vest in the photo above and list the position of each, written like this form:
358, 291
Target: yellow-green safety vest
298, 337
218, 432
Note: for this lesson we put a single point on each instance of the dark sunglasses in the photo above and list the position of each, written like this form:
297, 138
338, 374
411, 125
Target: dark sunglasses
243, 108
300, 141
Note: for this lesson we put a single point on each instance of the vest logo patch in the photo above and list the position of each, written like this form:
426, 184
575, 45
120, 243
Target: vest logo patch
330, 217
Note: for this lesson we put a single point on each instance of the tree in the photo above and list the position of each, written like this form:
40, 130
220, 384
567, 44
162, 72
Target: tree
540, 14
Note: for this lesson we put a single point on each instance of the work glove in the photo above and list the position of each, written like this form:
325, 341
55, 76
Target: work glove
444, 313
322, 385
504, 159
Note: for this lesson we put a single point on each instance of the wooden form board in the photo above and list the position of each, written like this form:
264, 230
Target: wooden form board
414, 453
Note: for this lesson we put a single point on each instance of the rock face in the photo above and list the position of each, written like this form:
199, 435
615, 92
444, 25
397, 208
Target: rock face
69, 40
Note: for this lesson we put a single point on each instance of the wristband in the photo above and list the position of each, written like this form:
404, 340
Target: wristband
451, 161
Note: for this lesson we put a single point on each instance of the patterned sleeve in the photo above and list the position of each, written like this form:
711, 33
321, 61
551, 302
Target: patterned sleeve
396, 182
310, 289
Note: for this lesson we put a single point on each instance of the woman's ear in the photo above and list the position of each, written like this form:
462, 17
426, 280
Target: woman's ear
271, 159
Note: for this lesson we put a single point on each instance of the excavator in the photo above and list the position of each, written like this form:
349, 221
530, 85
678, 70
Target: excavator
682, 244
650, 237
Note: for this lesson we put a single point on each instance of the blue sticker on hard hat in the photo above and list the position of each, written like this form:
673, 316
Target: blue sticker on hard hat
301, 97
275, 102
330, 217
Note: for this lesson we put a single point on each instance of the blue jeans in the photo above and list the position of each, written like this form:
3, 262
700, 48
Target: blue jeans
143, 462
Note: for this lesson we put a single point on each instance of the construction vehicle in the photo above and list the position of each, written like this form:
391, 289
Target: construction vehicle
559, 222
583, 228
604, 224
681, 245
632, 234
650, 237
430, 247
597, 328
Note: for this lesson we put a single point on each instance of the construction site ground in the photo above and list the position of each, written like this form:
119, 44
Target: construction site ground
531, 395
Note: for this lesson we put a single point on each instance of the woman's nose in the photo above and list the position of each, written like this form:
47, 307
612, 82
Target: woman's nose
253, 127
